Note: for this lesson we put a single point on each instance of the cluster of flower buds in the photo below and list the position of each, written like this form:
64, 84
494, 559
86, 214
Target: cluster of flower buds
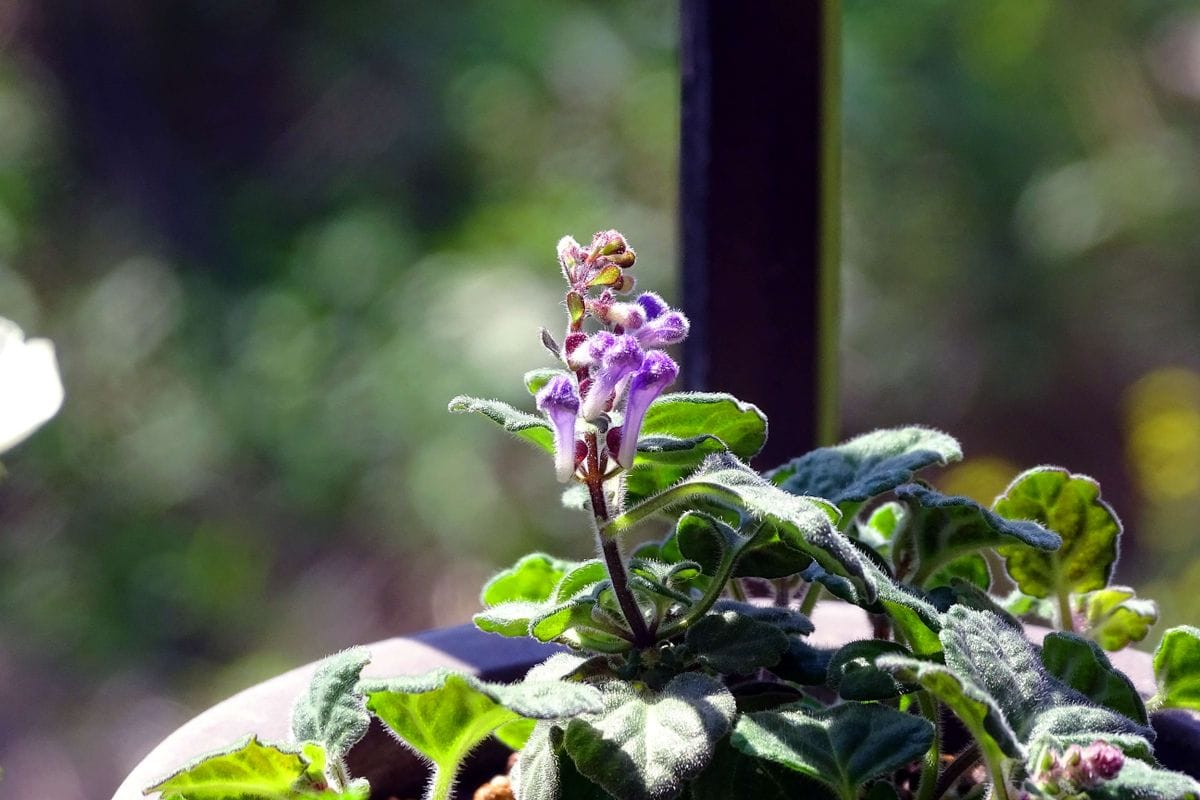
1071, 773
621, 362
601, 264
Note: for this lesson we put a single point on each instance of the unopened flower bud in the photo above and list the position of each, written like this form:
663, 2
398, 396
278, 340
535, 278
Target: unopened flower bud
612, 439
1104, 759
609, 275
626, 285
653, 305
573, 340
607, 243
669, 328
570, 256
560, 402
656, 373
624, 260
587, 353
619, 359
581, 452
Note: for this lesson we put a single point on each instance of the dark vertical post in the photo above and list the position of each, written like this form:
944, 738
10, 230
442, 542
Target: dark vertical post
759, 210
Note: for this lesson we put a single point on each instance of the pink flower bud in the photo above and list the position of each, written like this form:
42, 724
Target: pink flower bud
619, 359
657, 372
1104, 760
589, 352
560, 402
570, 256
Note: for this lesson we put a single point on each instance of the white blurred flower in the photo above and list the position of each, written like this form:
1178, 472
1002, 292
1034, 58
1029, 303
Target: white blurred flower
30, 390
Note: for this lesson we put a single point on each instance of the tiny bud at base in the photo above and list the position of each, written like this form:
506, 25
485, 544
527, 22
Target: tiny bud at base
612, 439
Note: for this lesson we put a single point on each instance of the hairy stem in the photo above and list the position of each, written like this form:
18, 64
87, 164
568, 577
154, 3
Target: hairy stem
441, 786
1066, 619
610, 550
929, 771
811, 595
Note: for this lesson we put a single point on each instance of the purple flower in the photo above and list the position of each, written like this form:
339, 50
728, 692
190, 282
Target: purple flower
1101, 762
589, 352
560, 402
652, 304
667, 328
619, 359
657, 372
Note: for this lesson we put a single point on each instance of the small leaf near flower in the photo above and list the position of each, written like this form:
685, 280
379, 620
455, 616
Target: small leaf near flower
1115, 617
1177, 669
520, 424
332, 712
1083, 666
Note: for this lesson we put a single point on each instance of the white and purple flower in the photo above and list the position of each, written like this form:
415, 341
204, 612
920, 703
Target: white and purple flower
621, 357
657, 372
559, 401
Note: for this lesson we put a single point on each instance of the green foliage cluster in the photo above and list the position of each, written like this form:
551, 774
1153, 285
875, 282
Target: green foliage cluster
708, 688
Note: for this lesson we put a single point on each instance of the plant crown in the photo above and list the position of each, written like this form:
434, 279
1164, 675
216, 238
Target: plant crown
687, 670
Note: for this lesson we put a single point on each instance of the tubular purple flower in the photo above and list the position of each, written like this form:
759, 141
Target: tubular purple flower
621, 358
657, 372
560, 402
591, 351
669, 328
652, 304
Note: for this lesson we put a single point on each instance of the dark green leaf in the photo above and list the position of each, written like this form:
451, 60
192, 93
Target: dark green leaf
732, 643
803, 664
1083, 666
545, 772
843, 747
972, 569
741, 426
646, 744
788, 620
1069, 505
942, 528
520, 424
867, 465
249, 770
853, 673
1177, 669
1115, 617
332, 712
733, 774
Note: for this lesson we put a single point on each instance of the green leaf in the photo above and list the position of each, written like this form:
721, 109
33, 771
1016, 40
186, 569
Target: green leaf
941, 528
545, 772
515, 735
249, 770
788, 620
1069, 505
741, 426
975, 708
733, 774
646, 744
865, 466
852, 671
732, 643
781, 521
524, 426
1177, 669
532, 578
843, 747
1115, 617
972, 569
535, 379
331, 711
681, 429
880, 529
1083, 666
443, 715
1063, 725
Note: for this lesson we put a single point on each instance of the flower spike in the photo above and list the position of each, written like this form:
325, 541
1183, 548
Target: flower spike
560, 402
621, 358
657, 372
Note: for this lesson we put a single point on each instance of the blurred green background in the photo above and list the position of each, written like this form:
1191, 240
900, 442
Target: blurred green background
271, 240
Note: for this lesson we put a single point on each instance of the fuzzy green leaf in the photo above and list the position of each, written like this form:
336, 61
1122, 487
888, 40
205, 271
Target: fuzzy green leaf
782, 522
443, 715
1140, 781
732, 643
788, 620
1177, 669
545, 772
1116, 617
1062, 725
865, 466
733, 774
843, 747
975, 708
532, 578
972, 569
249, 770
1069, 505
535, 379
741, 426
1083, 666
941, 528
852, 671
880, 529
524, 426
332, 712
646, 744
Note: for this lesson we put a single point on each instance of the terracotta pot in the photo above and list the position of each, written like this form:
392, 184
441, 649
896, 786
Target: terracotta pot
395, 771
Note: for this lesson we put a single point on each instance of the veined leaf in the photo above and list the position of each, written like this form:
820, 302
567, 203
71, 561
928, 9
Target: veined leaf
1083, 666
731, 643
444, 715
733, 774
1069, 505
941, 528
249, 770
852, 671
533, 578
645, 745
332, 712
1116, 616
853, 472
1177, 669
545, 772
524, 426
843, 747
